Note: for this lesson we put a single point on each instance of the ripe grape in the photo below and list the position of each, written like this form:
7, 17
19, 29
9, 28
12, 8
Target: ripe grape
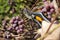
18, 31
48, 9
51, 5
16, 21
43, 10
21, 30
17, 28
52, 10
17, 17
19, 22
20, 26
14, 25
22, 20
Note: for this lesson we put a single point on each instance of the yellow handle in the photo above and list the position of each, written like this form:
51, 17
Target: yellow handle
38, 39
39, 18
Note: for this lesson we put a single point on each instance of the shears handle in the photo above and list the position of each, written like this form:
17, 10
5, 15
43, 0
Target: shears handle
40, 15
39, 24
39, 18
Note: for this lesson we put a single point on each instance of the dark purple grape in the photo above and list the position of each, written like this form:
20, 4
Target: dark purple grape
52, 10
17, 17
18, 31
22, 20
43, 10
51, 5
17, 28
21, 30
20, 26
47, 8
19, 22
14, 25
16, 21
46, 5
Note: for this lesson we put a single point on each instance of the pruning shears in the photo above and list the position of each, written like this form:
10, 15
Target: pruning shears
38, 17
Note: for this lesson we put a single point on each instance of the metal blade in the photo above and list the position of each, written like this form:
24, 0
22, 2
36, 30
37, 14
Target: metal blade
27, 13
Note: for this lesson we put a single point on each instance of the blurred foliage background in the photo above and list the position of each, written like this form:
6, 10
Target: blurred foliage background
10, 8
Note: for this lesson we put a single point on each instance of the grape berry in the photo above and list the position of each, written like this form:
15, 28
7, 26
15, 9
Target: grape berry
16, 25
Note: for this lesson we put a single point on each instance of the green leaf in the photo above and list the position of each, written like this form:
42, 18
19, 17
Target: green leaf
22, 6
7, 8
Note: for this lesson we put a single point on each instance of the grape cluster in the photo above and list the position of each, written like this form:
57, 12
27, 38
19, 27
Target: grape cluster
16, 25
48, 8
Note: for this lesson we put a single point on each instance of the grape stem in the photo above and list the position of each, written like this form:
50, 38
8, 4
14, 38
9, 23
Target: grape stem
11, 5
35, 4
